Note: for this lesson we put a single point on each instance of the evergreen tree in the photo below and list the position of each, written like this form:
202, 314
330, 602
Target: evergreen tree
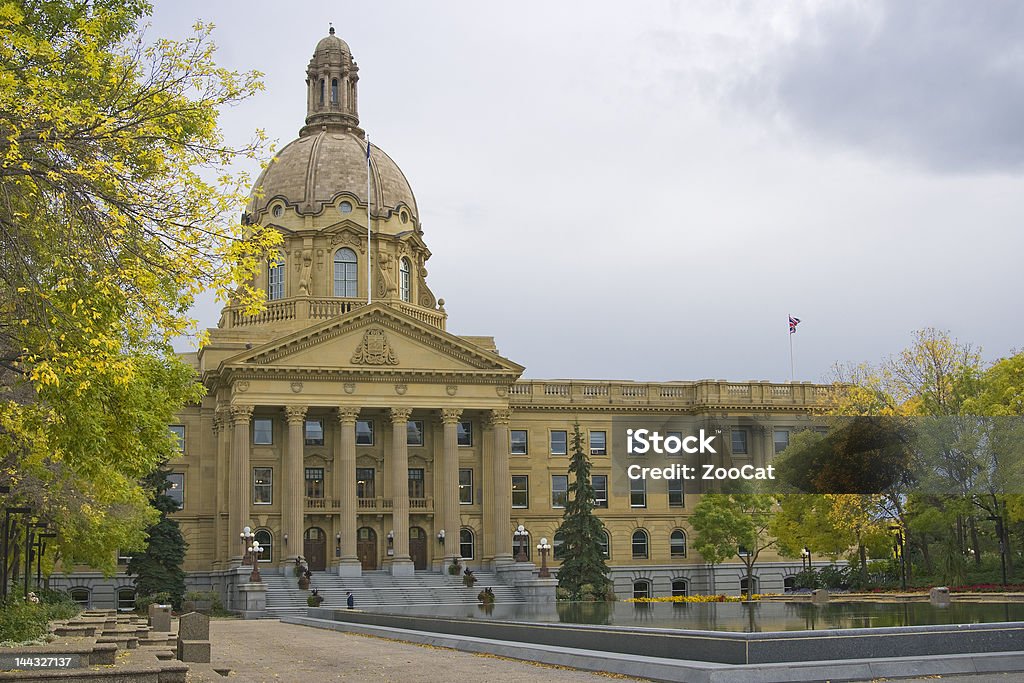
583, 574
158, 568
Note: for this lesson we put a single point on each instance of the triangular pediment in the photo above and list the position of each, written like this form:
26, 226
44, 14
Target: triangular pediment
376, 339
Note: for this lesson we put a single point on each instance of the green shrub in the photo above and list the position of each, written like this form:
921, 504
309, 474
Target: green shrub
23, 621
142, 602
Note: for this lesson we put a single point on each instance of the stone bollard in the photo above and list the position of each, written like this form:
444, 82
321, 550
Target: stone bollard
819, 596
939, 596
194, 637
160, 618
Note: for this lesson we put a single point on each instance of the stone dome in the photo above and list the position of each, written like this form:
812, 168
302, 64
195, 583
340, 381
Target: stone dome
318, 171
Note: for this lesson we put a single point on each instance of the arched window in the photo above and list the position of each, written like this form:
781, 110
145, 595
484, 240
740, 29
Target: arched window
558, 546
80, 596
639, 544
467, 544
746, 588
642, 588
789, 584
266, 541
125, 599
677, 543
605, 545
275, 279
404, 281
334, 91
345, 268
680, 588
322, 87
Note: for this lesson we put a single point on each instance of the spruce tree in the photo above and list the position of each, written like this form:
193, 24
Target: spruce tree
583, 574
158, 568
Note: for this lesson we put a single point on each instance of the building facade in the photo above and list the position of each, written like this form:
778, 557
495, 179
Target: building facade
344, 423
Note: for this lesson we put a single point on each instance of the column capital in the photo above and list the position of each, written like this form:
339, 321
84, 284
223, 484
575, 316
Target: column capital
501, 416
295, 413
348, 414
450, 416
241, 414
399, 415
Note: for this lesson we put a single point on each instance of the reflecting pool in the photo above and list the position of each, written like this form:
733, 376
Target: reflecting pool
766, 616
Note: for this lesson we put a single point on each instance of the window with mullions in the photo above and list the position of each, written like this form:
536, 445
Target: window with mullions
364, 432
640, 544
559, 490
677, 543
638, 493
266, 541
558, 546
314, 432
520, 491
678, 435
519, 442
405, 280
465, 486
414, 433
604, 544
345, 273
176, 491
365, 482
314, 482
600, 484
676, 497
781, 438
465, 433
598, 443
262, 485
263, 431
179, 436
739, 441
559, 442
642, 589
275, 279
467, 544
416, 487
680, 588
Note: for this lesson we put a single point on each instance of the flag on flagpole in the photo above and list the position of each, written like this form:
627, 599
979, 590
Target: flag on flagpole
793, 322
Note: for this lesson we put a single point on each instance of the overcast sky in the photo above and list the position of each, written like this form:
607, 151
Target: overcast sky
646, 190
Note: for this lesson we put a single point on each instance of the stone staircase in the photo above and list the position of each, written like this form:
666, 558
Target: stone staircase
379, 590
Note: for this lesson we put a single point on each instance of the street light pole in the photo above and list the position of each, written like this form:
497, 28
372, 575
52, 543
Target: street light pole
8, 532
543, 548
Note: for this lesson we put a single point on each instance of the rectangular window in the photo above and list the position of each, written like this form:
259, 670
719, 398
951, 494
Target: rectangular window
364, 432
739, 441
414, 433
263, 431
638, 493
179, 436
416, 482
262, 485
520, 491
676, 498
465, 486
364, 482
598, 443
519, 442
177, 488
559, 490
465, 431
314, 432
314, 482
678, 435
276, 280
559, 442
781, 437
600, 484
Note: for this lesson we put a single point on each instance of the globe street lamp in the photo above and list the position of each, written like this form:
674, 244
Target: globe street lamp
521, 534
254, 551
246, 537
805, 558
544, 548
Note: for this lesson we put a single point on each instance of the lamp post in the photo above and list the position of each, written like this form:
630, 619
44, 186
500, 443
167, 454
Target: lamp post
40, 551
805, 558
337, 544
246, 537
521, 534
8, 531
544, 548
29, 526
254, 551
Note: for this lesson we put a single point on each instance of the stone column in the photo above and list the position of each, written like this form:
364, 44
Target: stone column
238, 511
449, 489
345, 490
401, 563
502, 487
293, 502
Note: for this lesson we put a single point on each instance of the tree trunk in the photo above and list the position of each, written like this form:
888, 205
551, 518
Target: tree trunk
974, 541
863, 552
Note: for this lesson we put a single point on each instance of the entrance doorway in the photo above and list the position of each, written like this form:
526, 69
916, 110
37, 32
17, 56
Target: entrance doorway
418, 547
366, 548
314, 547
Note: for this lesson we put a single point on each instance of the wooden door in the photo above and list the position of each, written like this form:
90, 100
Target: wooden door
418, 547
314, 547
366, 548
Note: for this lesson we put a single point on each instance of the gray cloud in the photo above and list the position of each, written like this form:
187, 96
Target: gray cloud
938, 84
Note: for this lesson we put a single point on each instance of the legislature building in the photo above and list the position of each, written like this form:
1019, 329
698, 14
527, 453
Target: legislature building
346, 424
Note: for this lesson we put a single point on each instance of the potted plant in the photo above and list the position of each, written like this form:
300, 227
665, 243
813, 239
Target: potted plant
454, 568
314, 599
486, 596
468, 578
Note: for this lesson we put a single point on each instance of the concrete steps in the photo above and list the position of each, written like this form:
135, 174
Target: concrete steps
380, 590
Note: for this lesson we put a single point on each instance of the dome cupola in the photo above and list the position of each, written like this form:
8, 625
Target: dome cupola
331, 78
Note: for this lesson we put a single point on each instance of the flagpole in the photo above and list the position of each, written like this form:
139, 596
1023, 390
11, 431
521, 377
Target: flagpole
792, 368
369, 251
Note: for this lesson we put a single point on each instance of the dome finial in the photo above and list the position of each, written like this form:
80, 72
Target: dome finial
331, 23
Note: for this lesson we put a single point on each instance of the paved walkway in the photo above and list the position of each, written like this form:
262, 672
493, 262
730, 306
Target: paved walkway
268, 650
